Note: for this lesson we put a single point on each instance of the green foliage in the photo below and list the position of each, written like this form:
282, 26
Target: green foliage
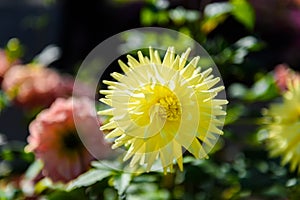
235, 54
133, 40
233, 113
154, 14
9, 193
34, 169
4, 101
263, 89
14, 159
121, 182
78, 194
147, 18
214, 15
14, 49
89, 178
243, 12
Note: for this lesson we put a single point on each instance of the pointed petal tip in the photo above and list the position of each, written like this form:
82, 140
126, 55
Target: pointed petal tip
99, 112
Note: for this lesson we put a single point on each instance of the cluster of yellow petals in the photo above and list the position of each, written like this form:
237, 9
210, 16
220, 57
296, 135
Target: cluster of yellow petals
283, 125
161, 108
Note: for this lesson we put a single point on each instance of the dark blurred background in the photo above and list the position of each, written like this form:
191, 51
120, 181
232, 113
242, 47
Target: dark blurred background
76, 27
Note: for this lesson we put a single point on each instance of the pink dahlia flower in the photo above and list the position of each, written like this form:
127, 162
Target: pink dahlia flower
61, 143
33, 86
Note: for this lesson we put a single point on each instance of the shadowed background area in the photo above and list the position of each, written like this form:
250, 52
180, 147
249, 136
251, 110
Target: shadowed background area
75, 27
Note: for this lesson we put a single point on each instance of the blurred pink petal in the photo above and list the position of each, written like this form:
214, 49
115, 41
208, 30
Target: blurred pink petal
61, 144
5, 64
34, 86
282, 74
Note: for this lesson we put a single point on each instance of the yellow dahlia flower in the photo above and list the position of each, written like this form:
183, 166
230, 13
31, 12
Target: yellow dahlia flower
283, 125
159, 108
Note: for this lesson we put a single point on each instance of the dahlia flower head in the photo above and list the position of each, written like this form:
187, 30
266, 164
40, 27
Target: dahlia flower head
159, 109
35, 86
60, 143
283, 125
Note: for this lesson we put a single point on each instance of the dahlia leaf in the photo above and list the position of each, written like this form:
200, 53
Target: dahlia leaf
234, 113
34, 169
121, 182
105, 165
243, 12
217, 9
88, 178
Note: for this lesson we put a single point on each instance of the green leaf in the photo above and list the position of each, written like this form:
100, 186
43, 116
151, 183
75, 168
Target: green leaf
88, 178
4, 101
243, 12
34, 169
106, 165
262, 90
233, 113
188, 159
48, 55
192, 15
250, 43
121, 182
215, 14
217, 9
162, 17
209, 24
177, 15
14, 49
237, 90
62, 195
147, 17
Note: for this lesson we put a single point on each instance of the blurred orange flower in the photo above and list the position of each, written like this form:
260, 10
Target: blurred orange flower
34, 86
54, 138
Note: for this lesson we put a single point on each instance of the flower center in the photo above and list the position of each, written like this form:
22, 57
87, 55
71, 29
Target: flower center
154, 102
169, 108
71, 141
